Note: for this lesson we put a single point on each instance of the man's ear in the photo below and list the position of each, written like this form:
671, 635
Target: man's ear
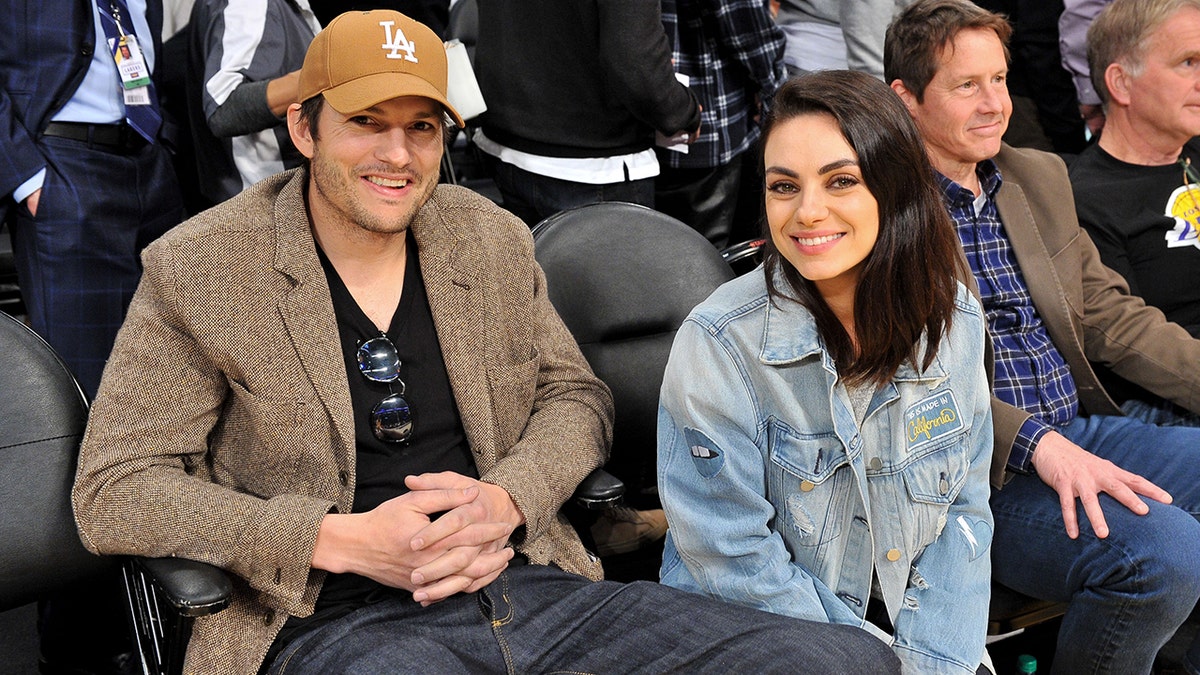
299, 130
1119, 82
906, 97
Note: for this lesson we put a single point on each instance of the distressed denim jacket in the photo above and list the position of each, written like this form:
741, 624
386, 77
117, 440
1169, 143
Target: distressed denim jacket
778, 499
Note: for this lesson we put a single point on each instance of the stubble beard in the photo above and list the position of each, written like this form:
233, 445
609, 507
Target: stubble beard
337, 191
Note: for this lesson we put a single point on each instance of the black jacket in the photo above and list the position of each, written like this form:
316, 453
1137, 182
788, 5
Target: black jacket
578, 78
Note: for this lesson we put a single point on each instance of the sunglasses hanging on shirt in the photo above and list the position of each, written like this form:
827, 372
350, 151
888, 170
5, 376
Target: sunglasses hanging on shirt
392, 418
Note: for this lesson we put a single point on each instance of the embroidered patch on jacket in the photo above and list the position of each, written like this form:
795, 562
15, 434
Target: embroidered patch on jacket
932, 418
977, 533
705, 456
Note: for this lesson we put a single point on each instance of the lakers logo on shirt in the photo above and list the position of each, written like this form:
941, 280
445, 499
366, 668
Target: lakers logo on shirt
1184, 207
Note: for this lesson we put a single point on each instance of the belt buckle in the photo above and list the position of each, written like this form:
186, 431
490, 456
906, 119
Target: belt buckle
122, 138
131, 140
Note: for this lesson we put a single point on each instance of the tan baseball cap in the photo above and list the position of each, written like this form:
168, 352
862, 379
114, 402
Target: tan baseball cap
364, 58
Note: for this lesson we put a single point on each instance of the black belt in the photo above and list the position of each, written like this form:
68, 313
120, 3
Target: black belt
120, 138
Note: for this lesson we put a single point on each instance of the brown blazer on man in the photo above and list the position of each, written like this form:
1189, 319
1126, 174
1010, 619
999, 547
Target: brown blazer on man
1086, 307
230, 433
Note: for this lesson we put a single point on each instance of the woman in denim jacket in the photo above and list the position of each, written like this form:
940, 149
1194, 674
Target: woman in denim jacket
825, 431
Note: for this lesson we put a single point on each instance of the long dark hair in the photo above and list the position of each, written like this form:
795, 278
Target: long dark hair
908, 283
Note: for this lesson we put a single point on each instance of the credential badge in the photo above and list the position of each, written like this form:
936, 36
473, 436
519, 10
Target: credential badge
397, 43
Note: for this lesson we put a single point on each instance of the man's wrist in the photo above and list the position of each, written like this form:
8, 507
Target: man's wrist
327, 553
510, 513
1020, 460
29, 187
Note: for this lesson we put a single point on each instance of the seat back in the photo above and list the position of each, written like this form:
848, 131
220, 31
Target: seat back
624, 277
42, 417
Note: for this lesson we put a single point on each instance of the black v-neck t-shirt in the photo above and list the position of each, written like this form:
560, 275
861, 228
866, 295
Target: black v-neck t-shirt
438, 442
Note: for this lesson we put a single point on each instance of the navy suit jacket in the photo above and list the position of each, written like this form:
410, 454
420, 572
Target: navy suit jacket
43, 58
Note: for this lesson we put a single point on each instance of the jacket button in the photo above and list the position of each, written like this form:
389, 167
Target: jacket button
893, 554
807, 485
875, 464
943, 487
343, 478
269, 617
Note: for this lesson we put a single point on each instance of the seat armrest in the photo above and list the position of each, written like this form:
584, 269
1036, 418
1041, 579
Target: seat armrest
599, 490
193, 588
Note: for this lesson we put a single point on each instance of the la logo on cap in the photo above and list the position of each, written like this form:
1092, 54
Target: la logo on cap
361, 59
396, 42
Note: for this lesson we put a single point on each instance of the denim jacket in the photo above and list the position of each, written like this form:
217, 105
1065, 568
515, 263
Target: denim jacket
778, 499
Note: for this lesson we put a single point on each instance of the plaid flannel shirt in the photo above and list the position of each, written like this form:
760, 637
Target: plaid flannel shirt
1030, 373
732, 53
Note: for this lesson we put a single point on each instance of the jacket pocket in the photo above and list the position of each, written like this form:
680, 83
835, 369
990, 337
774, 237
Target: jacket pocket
514, 388
270, 437
809, 482
933, 482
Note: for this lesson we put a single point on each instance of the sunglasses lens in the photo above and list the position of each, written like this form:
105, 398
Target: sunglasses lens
378, 361
392, 420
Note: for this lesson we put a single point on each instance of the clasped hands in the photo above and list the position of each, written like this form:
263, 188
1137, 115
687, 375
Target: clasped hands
402, 544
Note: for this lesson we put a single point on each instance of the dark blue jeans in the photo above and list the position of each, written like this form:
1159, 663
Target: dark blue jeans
539, 619
1129, 592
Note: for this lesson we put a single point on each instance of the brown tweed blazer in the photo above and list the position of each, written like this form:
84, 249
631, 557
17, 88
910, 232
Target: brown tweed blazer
1086, 306
223, 429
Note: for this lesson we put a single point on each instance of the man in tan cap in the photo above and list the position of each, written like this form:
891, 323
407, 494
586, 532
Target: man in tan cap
346, 386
